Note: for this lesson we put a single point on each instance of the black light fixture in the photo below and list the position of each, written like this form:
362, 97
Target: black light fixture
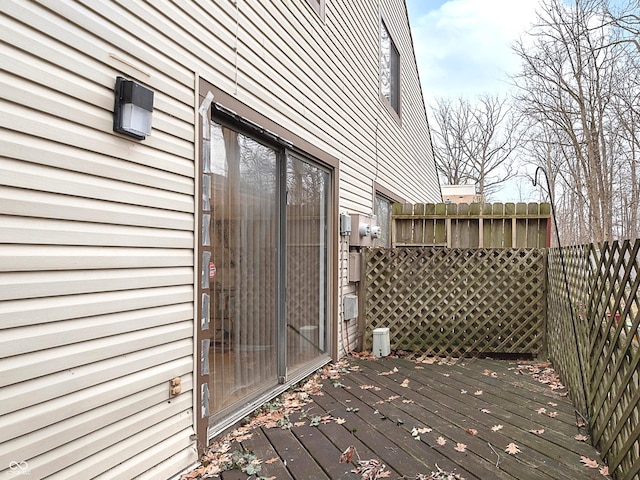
132, 109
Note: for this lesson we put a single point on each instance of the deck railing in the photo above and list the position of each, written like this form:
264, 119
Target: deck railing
603, 284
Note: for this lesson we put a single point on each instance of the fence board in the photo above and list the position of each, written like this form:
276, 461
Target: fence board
464, 225
457, 301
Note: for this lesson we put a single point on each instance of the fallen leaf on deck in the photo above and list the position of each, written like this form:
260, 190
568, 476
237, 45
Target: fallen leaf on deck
394, 397
463, 391
604, 471
472, 431
581, 438
553, 414
272, 460
478, 392
405, 383
340, 421
445, 374
541, 411
512, 449
495, 428
441, 440
347, 455
299, 424
485, 410
553, 404
537, 432
366, 387
589, 462
461, 447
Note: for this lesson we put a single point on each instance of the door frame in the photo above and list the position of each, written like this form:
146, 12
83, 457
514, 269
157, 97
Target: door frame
305, 149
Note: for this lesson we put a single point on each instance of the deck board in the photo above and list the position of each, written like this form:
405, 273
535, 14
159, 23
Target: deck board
380, 413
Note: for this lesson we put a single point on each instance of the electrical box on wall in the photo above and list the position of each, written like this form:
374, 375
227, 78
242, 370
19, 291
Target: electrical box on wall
350, 306
345, 225
355, 270
361, 233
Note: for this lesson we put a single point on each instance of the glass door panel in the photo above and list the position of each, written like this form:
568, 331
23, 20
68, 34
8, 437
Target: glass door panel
306, 256
242, 268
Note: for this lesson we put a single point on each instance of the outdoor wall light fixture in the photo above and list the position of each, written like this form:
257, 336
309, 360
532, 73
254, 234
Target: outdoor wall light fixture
132, 109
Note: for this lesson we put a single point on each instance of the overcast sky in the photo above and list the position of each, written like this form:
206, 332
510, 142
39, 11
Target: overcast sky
463, 48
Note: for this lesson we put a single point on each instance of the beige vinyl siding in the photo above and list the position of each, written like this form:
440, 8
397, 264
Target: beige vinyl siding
97, 231
96, 250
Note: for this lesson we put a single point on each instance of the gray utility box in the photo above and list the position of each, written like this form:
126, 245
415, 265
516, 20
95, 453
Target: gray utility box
350, 306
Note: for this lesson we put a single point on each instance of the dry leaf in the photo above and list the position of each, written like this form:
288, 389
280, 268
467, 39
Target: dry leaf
512, 449
581, 438
553, 414
461, 447
440, 441
445, 374
385, 474
272, 460
478, 392
418, 367
541, 411
299, 424
604, 471
347, 455
553, 404
366, 387
340, 420
463, 391
589, 462
485, 410
393, 397
472, 431
495, 428
537, 432
405, 383
407, 401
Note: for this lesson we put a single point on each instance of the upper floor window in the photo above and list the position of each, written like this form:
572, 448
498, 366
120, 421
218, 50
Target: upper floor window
389, 69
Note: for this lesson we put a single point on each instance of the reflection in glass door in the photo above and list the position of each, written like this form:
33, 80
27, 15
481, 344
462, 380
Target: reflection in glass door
264, 215
243, 233
307, 210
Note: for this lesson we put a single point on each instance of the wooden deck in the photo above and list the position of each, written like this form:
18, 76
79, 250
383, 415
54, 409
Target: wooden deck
477, 406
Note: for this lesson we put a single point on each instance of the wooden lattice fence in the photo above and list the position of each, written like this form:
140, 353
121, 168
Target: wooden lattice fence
456, 302
603, 282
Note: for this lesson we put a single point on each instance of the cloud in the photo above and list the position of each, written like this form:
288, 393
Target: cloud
464, 46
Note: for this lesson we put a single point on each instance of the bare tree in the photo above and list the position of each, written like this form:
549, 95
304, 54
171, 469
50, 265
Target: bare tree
573, 61
475, 142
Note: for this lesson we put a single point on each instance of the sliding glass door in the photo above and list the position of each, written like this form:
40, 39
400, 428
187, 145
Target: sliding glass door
263, 264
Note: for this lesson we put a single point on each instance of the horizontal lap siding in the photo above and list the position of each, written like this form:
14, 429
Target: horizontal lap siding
97, 231
96, 248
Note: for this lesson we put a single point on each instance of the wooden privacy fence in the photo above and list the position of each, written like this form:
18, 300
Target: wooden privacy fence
603, 285
456, 301
475, 225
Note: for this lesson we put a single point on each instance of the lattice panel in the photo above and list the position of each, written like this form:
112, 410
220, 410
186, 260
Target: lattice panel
603, 281
561, 337
615, 353
457, 301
